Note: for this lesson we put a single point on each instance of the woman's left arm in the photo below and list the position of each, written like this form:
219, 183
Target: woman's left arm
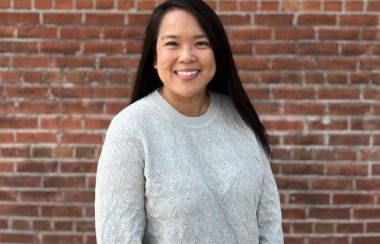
269, 210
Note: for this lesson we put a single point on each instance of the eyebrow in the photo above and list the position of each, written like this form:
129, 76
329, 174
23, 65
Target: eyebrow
176, 37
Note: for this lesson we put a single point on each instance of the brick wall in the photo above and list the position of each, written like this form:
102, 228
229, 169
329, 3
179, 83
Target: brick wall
311, 67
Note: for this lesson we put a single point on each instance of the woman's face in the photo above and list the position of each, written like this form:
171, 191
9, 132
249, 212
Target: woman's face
184, 58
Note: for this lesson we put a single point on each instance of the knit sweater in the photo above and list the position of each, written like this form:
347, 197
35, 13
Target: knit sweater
164, 177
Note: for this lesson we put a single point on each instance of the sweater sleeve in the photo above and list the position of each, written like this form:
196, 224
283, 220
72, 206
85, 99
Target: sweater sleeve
269, 210
120, 184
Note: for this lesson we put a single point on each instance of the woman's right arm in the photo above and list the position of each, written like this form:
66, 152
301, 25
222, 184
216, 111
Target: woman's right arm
119, 191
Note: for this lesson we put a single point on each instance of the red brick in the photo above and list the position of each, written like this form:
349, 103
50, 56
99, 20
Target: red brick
302, 228
17, 122
60, 47
82, 107
21, 225
373, 227
7, 31
343, 94
104, 19
8, 18
18, 47
5, 4
235, 19
292, 63
237, 48
41, 152
62, 18
251, 63
368, 184
104, 47
274, 19
349, 139
328, 125
303, 140
63, 4
338, 34
82, 138
350, 228
36, 32
43, 4
94, 123
294, 33
66, 62
330, 240
347, 169
304, 109
17, 238
138, 19
318, 49
248, 6
41, 137
145, 5
365, 239
62, 238
311, 5
228, 6
63, 225
84, 4
39, 107
354, 5
101, 4
62, 211
272, 5
353, 198
125, 4
275, 49
373, 6
309, 198
360, 20
324, 228
293, 213
19, 210
329, 213
33, 62
116, 62
370, 63
40, 196
316, 19
283, 183
82, 167
41, 225
36, 167
303, 169
336, 6
251, 34
331, 184
79, 196
349, 109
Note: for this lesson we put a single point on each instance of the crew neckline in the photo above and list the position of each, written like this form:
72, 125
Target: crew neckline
187, 121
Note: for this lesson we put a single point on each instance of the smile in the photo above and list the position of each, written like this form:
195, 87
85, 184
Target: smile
187, 73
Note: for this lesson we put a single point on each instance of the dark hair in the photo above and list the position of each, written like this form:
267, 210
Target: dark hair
226, 79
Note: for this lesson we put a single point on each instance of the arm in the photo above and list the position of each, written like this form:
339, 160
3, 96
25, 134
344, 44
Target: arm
119, 191
269, 210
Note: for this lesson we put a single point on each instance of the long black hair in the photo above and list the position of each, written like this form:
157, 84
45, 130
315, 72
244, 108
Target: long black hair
226, 79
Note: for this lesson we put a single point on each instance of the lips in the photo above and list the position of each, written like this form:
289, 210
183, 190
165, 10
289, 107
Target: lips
187, 73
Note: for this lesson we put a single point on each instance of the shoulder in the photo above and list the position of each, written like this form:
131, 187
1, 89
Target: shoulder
133, 117
226, 106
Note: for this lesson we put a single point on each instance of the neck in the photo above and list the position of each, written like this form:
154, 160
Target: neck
189, 106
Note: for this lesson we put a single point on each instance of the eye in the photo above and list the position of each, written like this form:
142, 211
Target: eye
202, 44
171, 44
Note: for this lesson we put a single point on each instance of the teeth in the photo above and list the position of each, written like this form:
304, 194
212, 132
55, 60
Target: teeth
187, 73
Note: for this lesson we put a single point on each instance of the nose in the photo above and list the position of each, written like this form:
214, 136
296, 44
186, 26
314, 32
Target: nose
186, 55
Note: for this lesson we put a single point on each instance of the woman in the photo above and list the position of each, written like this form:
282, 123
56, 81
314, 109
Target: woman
187, 161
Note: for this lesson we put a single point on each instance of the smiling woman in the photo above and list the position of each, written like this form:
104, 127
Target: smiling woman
185, 62
188, 160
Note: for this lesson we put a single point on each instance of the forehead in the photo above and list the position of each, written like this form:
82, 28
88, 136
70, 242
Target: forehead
179, 21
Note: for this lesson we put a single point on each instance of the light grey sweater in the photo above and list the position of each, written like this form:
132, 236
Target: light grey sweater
166, 178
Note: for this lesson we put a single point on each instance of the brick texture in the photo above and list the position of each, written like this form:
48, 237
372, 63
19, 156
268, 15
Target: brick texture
310, 66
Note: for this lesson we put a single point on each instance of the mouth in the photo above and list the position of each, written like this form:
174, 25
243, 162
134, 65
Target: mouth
187, 73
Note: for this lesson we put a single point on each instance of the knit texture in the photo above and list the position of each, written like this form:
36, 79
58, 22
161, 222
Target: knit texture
167, 178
